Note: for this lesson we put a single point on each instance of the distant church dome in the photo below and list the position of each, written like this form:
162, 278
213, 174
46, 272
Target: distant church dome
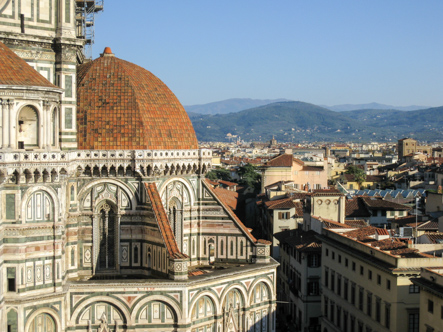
124, 106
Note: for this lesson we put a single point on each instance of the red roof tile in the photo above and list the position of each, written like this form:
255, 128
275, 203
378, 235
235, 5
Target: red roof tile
228, 196
163, 222
229, 211
15, 71
124, 106
283, 160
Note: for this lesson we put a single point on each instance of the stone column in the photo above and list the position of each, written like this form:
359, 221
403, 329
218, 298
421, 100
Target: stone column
5, 128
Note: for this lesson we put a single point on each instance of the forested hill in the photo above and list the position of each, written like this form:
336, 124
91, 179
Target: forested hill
298, 121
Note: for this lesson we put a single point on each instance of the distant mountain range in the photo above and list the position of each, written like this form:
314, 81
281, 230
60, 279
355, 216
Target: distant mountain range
240, 104
298, 121
373, 106
229, 105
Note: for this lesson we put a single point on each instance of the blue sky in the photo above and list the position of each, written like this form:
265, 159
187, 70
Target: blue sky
322, 52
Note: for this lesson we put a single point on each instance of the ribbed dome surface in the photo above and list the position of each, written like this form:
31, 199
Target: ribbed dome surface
123, 106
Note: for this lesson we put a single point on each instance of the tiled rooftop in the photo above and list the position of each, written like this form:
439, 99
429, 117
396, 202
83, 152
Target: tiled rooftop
124, 106
283, 160
15, 71
163, 222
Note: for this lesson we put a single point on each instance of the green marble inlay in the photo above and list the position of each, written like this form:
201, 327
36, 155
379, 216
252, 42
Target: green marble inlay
10, 206
68, 118
68, 86
67, 11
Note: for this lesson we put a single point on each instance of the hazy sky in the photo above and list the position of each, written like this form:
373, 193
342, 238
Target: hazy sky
322, 52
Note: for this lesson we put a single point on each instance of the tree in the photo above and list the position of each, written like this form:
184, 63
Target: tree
219, 174
359, 174
249, 176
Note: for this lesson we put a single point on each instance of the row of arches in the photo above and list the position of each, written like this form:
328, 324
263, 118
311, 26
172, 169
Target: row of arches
143, 170
33, 175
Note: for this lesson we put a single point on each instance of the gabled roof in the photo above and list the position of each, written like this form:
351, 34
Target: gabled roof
374, 203
283, 160
355, 208
163, 222
15, 71
229, 212
304, 241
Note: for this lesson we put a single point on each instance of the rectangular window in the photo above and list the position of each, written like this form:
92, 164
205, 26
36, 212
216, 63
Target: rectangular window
333, 255
369, 304
68, 86
388, 284
441, 312
68, 118
414, 289
369, 274
361, 300
353, 293
430, 306
331, 309
345, 321
313, 260
332, 281
338, 317
345, 289
11, 279
346, 262
353, 266
339, 285
326, 306
339, 258
413, 322
378, 310
313, 288
10, 206
362, 270
387, 316
378, 279
326, 278
327, 252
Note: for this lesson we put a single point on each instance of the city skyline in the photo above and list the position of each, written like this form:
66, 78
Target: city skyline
317, 52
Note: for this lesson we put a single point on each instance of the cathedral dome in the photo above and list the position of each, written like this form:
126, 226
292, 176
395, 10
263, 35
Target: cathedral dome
124, 106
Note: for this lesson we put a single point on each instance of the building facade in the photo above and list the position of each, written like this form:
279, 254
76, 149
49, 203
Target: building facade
107, 223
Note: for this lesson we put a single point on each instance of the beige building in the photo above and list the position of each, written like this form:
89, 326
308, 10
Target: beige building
366, 282
287, 168
431, 299
408, 146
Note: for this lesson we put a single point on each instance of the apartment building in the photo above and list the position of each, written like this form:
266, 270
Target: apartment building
366, 281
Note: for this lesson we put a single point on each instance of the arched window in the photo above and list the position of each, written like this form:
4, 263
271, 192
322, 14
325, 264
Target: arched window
193, 247
39, 208
241, 248
72, 193
221, 247
204, 247
232, 248
42, 322
27, 128
107, 231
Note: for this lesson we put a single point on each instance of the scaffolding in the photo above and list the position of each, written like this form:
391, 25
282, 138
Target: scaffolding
85, 11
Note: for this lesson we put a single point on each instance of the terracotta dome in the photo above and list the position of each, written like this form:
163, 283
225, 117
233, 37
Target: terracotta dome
124, 106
